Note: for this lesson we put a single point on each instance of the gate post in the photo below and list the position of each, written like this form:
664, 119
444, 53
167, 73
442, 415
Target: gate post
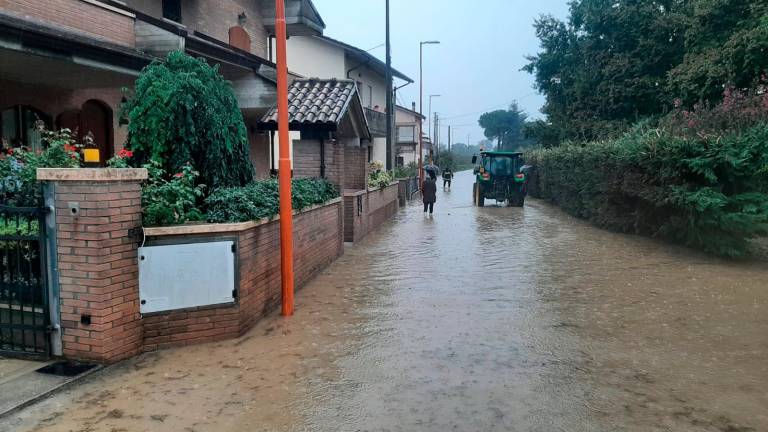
52, 269
97, 260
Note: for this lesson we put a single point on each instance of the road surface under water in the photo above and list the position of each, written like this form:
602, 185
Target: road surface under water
476, 319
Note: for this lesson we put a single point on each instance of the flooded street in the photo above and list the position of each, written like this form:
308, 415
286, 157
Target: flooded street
477, 319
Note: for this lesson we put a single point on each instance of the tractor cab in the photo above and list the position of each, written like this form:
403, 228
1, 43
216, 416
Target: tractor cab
499, 176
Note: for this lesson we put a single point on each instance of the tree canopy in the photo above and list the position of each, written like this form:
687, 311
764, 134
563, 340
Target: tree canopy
505, 126
614, 62
183, 111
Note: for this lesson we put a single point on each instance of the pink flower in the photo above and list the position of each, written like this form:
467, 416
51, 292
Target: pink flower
179, 175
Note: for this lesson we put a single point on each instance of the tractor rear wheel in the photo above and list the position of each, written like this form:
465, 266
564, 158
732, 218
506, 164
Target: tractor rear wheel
478, 195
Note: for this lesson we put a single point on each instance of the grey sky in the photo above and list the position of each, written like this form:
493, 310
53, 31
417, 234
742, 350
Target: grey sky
477, 66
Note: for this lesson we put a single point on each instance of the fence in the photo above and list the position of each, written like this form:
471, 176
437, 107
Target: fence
24, 315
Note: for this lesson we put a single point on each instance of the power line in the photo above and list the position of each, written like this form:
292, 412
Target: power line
488, 109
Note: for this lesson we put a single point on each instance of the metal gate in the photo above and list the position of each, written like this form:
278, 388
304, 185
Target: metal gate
24, 313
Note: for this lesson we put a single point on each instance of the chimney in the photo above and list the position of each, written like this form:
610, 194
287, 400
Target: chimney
413, 106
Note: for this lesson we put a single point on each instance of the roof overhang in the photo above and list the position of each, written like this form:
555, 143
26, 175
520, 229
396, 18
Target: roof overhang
28, 38
364, 58
301, 17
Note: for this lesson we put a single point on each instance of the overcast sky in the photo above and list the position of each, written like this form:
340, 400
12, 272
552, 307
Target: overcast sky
476, 68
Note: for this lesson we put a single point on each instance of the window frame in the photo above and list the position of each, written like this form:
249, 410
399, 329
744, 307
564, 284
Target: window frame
172, 10
412, 135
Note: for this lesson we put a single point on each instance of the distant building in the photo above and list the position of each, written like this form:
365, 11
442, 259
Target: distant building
408, 126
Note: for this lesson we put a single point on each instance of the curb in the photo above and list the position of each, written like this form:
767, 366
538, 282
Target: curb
59, 388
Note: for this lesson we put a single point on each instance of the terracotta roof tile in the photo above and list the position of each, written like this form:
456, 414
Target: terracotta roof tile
316, 101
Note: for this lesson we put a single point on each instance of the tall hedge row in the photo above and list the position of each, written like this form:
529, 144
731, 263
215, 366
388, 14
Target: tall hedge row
707, 192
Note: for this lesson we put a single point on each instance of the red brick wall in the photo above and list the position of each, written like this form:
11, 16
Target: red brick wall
355, 167
215, 18
317, 243
98, 269
306, 160
377, 207
77, 16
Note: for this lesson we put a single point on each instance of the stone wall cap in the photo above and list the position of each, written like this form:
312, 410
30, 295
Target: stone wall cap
92, 174
217, 228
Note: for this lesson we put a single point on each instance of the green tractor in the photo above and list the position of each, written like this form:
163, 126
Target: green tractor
499, 176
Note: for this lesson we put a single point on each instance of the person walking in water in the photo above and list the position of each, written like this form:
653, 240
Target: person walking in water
447, 177
429, 194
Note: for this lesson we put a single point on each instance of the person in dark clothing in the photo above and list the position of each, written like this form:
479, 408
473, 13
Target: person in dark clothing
429, 194
447, 177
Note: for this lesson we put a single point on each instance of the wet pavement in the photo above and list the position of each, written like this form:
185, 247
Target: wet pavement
477, 319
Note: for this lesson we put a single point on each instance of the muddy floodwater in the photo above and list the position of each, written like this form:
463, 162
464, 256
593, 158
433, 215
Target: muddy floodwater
477, 319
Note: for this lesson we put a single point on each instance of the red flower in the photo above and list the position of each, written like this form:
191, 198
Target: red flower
69, 148
10, 151
124, 153
179, 175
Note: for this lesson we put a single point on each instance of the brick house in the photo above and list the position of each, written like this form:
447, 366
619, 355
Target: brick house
65, 61
408, 126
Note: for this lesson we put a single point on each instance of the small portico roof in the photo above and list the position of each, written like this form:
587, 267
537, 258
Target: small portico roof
321, 104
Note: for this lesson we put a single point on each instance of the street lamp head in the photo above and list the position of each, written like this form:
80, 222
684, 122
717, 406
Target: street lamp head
430, 42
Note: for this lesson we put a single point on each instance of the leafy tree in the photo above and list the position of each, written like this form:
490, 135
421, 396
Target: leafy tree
183, 111
606, 67
505, 126
614, 62
726, 44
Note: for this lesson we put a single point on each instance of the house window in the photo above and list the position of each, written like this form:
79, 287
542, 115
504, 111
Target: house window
370, 96
17, 127
406, 134
172, 10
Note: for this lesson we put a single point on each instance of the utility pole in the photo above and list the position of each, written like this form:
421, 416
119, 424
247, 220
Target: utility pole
449, 138
421, 110
436, 144
284, 174
390, 93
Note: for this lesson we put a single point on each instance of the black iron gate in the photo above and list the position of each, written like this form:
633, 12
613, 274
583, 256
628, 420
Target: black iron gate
24, 312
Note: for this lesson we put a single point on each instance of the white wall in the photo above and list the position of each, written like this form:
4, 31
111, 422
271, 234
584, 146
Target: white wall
313, 58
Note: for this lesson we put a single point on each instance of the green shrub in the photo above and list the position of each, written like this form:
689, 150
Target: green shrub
171, 200
410, 170
181, 111
18, 169
261, 199
378, 177
706, 192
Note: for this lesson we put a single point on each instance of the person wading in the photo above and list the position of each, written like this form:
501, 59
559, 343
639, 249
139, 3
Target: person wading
447, 177
429, 194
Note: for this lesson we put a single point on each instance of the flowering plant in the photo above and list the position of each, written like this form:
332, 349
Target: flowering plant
171, 200
120, 160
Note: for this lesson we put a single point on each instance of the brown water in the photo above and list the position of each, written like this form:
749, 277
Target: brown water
478, 319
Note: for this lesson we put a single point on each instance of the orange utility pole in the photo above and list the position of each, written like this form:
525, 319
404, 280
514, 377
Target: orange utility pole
284, 167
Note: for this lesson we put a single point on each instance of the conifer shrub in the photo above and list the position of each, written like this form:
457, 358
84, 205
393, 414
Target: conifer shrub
183, 111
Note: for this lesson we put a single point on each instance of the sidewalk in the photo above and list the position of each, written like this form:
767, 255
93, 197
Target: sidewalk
23, 384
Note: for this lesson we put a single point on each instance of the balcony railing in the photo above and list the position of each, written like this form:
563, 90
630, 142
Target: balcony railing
377, 122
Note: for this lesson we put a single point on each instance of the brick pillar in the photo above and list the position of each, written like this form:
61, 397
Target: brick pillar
97, 260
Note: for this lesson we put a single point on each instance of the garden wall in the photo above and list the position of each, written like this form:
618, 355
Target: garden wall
97, 253
317, 243
365, 211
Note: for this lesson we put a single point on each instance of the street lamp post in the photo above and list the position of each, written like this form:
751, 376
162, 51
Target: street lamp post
421, 110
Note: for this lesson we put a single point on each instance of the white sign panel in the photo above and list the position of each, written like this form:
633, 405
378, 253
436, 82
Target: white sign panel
186, 275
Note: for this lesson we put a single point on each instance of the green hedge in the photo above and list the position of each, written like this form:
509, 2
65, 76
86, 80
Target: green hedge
706, 192
260, 199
